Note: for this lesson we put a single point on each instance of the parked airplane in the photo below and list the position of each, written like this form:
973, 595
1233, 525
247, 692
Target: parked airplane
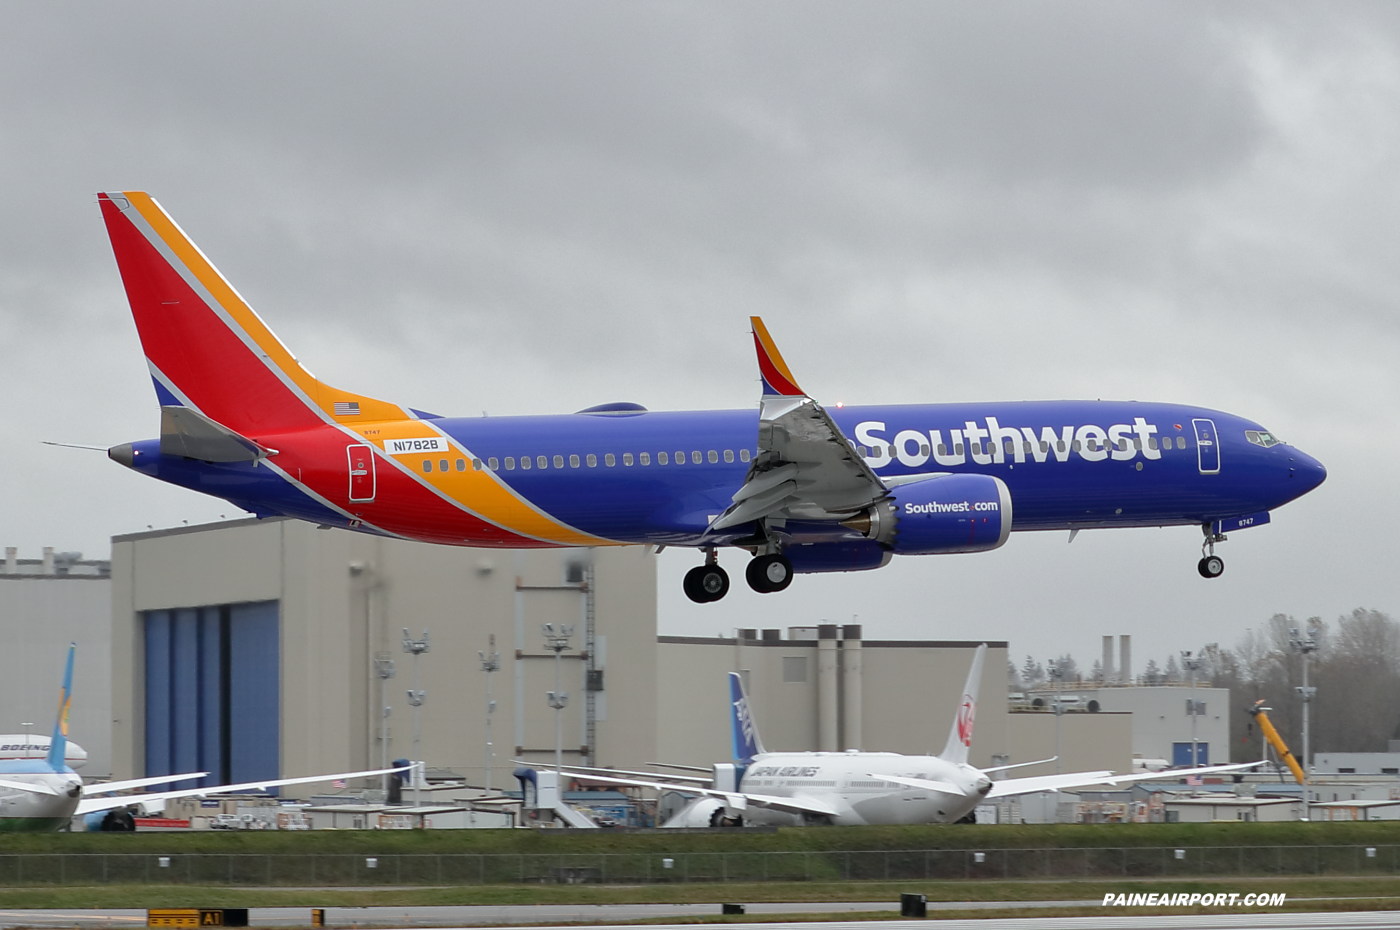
40, 795
844, 788
800, 487
33, 746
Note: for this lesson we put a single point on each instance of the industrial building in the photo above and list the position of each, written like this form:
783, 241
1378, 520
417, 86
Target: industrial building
45, 604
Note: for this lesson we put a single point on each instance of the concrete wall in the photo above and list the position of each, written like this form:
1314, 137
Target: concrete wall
1088, 742
1159, 716
39, 616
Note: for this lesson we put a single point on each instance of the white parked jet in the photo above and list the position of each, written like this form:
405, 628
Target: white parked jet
790, 788
45, 794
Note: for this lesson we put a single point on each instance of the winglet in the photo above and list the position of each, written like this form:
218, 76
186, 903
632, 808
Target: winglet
743, 729
58, 746
960, 736
777, 378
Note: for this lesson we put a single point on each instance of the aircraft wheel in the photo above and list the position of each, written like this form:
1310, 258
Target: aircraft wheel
768, 573
706, 583
1212, 566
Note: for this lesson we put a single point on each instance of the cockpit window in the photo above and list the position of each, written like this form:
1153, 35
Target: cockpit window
1261, 437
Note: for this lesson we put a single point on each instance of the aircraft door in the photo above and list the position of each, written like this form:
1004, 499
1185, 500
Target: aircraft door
1207, 447
361, 457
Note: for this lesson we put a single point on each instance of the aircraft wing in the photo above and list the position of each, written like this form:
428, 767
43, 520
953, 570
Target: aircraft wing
34, 788
806, 467
738, 800
946, 787
91, 805
1011, 786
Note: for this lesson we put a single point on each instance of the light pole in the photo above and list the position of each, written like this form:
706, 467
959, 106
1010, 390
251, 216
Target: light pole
1056, 673
1191, 663
416, 648
1305, 646
489, 663
556, 639
384, 668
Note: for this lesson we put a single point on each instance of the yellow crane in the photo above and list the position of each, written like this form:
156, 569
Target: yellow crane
1270, 734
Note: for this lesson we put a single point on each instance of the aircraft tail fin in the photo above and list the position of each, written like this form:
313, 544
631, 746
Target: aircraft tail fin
777, 377
58, 746
743, 728
206, 348
960, 736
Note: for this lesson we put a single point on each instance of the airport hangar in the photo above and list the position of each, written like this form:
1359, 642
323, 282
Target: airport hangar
248, 648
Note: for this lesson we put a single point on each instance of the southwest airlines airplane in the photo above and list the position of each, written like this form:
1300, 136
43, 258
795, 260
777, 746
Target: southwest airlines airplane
853, 788
45, 794
800, 487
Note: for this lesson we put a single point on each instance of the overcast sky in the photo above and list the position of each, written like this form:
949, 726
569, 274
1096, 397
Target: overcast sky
535, 207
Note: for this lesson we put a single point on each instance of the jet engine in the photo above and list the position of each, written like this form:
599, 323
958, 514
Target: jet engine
940, 514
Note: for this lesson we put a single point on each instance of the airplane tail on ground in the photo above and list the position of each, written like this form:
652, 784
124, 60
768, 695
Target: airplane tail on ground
960, 736
743, 728
206, 348
58, 746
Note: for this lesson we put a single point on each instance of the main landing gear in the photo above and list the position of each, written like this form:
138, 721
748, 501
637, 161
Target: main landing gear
708, 582
1211, 565
765, 574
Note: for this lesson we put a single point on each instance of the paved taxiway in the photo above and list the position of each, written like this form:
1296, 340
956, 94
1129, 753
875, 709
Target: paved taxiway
476, 916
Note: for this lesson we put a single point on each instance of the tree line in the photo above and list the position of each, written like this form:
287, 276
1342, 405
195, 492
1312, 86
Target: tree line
1355, 667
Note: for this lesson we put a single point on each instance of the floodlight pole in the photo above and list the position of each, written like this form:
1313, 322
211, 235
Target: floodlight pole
1305, 646
416, 648
1056, 674
489, 663
1191, 663
384, 668
556, 639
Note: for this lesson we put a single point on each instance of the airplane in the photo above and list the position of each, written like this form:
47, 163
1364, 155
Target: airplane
855, 788
33, 746
45, 795
800, 487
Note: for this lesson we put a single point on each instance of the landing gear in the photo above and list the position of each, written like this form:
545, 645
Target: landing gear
769, 573
1211, 565
708, 582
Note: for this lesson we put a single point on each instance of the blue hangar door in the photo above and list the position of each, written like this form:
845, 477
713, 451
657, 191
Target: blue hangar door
213, 692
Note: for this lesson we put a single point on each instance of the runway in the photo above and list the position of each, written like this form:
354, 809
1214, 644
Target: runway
598, 917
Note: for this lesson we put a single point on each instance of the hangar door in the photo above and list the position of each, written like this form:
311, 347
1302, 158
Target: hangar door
213, 678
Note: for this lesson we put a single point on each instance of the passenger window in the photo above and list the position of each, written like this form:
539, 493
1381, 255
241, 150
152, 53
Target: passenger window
427, 465
1122, 445
510, 463
696, 457
923, 449
729, 455
1181, 442
573, 461
442, 466
461, 464
1152, 442
743, 455
942, 449
559, 461
626, 458
1008, 447
661, 458
1077, 446
1137, 444
1093, 444
542, 461
893, 451
680, 458
593, 460
1044, 447
977, 447
957, 448
1060, 446
476, 464
610, 460
493, 463
525, 462
713, 456
1026, 446
860, 450
645, 458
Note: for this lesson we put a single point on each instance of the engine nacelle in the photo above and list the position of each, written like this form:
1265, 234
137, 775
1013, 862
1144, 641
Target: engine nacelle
942, 514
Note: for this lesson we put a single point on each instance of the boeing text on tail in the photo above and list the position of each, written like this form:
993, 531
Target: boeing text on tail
798, 487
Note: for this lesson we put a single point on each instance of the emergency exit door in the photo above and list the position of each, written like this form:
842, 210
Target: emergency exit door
361, 471
1207, 447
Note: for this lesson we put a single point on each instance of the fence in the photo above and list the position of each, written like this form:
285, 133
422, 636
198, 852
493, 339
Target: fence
636, 868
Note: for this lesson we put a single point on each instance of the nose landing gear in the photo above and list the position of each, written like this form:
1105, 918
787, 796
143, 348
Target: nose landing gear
1211, 565
708, 582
